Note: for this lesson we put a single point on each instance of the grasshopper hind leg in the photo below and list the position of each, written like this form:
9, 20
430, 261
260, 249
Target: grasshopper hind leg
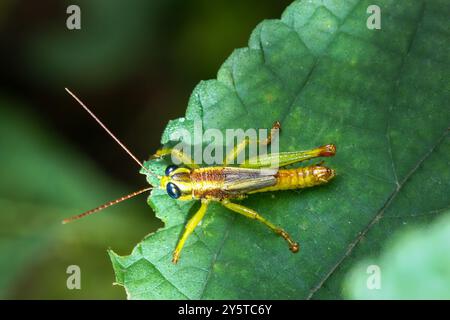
252, 214
232, 156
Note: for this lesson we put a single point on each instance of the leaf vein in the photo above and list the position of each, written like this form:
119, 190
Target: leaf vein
377, 217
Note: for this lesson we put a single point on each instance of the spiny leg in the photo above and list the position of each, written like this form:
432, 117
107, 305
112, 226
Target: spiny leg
286, 158
180, 155
189, 228
252, 214
243, 144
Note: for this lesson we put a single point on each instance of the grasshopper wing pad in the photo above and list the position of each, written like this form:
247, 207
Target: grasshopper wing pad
242, 180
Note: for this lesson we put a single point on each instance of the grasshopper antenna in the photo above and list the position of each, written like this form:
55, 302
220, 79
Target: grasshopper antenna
106, 205
110, 133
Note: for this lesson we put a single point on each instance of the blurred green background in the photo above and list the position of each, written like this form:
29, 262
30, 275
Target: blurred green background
135, 63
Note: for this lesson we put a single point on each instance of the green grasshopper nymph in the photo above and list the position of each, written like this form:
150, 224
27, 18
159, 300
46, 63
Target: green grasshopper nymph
223, 184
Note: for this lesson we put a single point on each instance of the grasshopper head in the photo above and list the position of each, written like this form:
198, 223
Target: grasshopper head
177, 182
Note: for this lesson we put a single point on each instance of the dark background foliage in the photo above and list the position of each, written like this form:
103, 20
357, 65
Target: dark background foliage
135, 63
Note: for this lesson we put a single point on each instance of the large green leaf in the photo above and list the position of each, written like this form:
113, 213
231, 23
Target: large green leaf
379, 95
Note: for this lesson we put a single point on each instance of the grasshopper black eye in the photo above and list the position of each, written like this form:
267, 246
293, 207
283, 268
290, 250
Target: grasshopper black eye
170, 168
173, 191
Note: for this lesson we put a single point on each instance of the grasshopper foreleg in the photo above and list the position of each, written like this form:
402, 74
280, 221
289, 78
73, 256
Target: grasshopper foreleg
190, 227
180, 155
